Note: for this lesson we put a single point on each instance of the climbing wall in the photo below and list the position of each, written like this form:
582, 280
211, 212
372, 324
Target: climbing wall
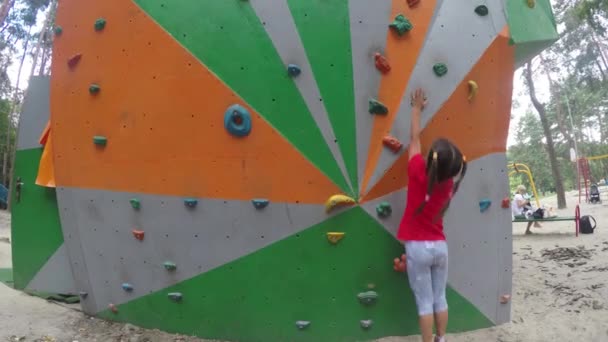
197, 145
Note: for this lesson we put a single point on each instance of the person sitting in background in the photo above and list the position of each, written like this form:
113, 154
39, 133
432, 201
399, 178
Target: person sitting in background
522, 208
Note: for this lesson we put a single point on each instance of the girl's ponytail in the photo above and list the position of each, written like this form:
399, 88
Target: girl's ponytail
432, 178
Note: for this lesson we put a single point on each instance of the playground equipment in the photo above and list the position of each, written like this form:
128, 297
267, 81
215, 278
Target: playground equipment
523, 168
193, 147
584, 178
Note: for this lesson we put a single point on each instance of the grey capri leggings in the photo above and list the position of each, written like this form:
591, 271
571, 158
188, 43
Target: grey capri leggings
427, 271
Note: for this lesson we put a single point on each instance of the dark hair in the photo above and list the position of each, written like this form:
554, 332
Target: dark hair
443, 162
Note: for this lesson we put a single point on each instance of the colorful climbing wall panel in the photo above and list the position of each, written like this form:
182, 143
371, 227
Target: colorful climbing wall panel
236, 170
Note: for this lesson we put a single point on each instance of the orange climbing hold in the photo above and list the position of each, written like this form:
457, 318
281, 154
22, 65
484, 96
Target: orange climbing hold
382, 63
392, 143
400, 264
412, 3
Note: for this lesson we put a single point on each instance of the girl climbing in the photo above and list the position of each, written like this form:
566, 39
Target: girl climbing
432, 184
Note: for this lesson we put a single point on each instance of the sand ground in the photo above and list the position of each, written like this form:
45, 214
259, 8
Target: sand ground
560, 293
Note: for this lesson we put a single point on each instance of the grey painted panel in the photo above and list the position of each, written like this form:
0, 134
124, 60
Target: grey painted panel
278, 22
196, 240
480, 244
34, 113
368, 27
55, 276
459, 37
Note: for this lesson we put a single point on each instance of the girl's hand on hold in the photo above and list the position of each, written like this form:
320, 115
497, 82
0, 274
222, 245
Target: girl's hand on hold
419, 99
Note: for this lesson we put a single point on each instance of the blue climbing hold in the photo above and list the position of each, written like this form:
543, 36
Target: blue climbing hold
127, 287
259, 203
293, 70
190, 202
237, 121
175, 296
484, 204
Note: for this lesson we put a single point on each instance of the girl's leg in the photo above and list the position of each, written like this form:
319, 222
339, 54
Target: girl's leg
439, 277
419, 261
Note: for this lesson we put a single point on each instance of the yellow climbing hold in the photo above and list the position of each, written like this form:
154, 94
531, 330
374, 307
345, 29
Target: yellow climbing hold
473, 89
338, 201
531, 3
335, 237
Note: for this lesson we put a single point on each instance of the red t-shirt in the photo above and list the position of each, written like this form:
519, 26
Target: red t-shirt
426, 225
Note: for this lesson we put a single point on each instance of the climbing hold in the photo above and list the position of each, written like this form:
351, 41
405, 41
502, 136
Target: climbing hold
376, 107
237, 121
135, 203
73, 61
100, 140
504, 299
83, 294
484, 204
440, 69
371, 286
412, 3
531, 3
260, 203
190, 202
366, 323
302, 324
368, 297
127, 287
392, 143
175, 296
335, 237
482, 10
400, 264
169, 266
382, 63
338, 201
94, 89
401, 25
139, 234
506, 203
113, 308
58, 30
293, 70
473, 89
100, 24
384, 210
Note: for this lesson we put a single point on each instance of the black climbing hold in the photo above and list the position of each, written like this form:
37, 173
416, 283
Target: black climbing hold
368, 297
401, 25
170, 266
100, 140
302, 324
100, 24
237, 121
190, 202
127, 287
58, 30
175, 296
293, 70
83, 294
384, 210
259, 203
376, 107
94, 89
482, 10
135, 203
366, 323
440, 69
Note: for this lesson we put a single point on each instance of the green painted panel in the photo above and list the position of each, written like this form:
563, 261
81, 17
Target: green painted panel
534, 27
230, 40
36, 229
303, 277
324, 27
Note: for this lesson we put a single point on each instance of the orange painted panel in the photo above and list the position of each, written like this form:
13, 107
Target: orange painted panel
46, 169
402, 52
478, 127
162, 112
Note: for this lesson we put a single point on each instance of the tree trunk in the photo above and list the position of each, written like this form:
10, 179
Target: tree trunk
542, 113
5, 8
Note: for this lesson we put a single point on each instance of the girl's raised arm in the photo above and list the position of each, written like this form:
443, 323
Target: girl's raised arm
418, 103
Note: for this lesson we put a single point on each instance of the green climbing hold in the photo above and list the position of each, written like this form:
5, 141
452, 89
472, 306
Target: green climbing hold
135, 203
482, 10
368, 297
401, 25
377, 107
58, 30
384, 210
440, 69
94, 89
100, 140
100, 24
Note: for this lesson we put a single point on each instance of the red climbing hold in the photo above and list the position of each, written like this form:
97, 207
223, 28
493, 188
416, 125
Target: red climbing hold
412, 3
392, 143
113, 308
139, 234
506, 203
73, 61
400, 265
504, 299
382, 63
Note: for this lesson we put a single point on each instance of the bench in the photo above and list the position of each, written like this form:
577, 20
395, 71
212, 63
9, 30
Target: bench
576, 218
